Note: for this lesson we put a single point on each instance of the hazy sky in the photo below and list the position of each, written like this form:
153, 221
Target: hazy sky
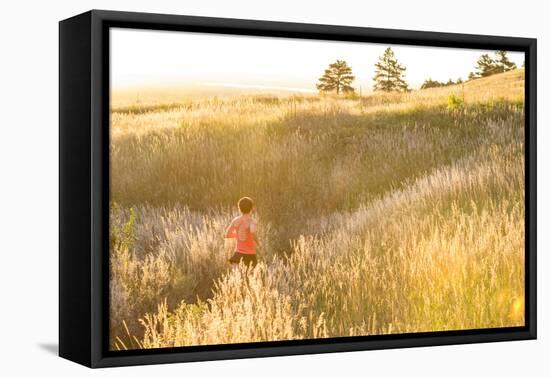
149, 57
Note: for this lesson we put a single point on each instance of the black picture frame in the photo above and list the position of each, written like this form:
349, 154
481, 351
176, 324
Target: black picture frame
84, 186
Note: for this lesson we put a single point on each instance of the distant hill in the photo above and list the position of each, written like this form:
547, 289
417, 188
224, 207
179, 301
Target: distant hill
509, 85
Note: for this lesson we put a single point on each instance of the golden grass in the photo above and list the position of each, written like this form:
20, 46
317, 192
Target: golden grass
388, 214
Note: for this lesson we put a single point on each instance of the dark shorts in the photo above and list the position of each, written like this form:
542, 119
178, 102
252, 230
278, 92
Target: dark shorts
247, 259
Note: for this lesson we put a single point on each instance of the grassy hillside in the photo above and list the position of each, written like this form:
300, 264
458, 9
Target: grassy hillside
386, 214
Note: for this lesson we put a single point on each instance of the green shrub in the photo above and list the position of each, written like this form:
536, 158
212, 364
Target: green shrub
454, 102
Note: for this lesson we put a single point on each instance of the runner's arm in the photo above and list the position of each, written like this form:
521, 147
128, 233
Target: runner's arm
230, 232
253, 231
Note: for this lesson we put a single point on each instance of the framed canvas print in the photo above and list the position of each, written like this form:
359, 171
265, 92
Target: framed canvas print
235, 188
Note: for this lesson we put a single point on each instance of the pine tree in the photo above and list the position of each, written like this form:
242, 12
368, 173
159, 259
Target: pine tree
486, 66
503, 63
429, 83
389, 74
337, 77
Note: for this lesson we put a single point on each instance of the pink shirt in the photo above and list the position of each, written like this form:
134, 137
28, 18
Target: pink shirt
243, 229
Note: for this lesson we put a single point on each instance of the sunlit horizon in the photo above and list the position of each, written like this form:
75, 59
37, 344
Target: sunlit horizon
155, 58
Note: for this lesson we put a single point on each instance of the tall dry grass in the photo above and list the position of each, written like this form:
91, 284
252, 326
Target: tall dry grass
377, 217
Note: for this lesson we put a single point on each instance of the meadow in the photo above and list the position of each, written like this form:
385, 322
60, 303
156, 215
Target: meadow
388, 213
